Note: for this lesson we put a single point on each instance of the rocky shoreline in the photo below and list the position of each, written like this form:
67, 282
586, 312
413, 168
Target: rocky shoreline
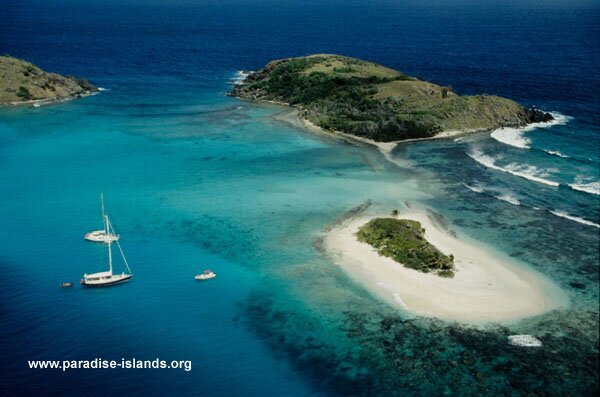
24, 84
368, 101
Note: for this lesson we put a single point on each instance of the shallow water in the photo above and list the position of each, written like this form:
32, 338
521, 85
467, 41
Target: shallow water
194, 179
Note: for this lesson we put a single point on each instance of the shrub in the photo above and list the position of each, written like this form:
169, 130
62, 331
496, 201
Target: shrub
24, 93
404, 241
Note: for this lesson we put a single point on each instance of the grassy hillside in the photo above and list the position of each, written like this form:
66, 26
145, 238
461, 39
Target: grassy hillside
21, 81
372, 101
403, 241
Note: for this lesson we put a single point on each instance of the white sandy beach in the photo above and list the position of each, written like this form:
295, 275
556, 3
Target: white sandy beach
485, 287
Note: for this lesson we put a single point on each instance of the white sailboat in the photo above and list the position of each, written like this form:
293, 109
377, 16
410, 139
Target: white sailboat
104, 235
103, 279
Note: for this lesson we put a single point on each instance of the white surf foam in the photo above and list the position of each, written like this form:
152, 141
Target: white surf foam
524, 340
512, 136
477, 188
524, 171
515, 136
587, 187
500, 194
102, 89
556, 153
509, 198
239, 77
577, 219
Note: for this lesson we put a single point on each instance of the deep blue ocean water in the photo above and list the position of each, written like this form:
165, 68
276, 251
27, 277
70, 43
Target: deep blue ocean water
195, 179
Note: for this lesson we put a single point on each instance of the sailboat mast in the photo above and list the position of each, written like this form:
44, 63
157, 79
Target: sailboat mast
109, 247
103, 213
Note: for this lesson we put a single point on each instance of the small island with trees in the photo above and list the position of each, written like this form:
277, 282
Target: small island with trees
403, 240
23, 83
367, 100
412, 261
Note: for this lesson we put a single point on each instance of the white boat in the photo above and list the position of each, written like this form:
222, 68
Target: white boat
103, 279
207, 275
102, 236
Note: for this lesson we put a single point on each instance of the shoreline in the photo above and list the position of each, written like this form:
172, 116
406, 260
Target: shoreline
49, 101
486, 288
291, 115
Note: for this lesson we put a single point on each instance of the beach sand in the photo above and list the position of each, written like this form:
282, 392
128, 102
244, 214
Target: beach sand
485, 288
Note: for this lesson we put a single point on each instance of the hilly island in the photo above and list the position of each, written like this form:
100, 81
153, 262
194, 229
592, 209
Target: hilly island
367, 100
23, 83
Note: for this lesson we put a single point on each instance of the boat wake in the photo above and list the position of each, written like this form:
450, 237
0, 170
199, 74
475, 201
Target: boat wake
573, 218
515, 136
524, 171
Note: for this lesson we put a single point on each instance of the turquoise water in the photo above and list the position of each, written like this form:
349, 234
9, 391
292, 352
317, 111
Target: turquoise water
224, 185
246, 197
195, 179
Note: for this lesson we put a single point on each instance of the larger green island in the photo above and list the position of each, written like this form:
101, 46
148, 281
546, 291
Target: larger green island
367, 100
23, 83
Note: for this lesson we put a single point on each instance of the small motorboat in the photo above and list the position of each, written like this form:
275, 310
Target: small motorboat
207, 275
65, 285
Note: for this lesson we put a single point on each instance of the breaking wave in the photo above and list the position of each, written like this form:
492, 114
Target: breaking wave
239, 77
512, 136
509, 198
557, 153
476, 188
573, 218
503, 195
524, 171
515, 136
591, 187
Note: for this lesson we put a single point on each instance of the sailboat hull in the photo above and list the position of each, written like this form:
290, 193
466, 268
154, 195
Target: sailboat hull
100, 236
107, 281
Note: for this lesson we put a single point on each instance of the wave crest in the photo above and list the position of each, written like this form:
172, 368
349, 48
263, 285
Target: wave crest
557, 153
239, 77
509, 198
573, 218
590, 187
524, 171
500, 194
514, 136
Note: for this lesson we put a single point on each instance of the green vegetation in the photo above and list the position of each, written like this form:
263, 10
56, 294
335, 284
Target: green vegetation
369, 100
21, 81
403, 240
24, 93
